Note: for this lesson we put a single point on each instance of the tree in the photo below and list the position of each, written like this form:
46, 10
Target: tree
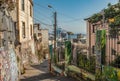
95, 18
70, 33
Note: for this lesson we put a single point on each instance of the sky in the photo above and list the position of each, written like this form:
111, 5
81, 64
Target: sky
70, 13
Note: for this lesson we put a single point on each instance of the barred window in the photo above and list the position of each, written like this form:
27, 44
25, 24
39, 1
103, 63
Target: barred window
23, 5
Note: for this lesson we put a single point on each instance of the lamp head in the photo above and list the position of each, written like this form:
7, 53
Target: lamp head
49, 6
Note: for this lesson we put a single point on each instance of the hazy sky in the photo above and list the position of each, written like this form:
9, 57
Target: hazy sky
70, 13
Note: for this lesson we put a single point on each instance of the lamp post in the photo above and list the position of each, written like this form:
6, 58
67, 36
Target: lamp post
55, 26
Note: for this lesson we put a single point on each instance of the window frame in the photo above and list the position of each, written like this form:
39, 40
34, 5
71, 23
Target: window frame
23, 5
23, 30
31, 10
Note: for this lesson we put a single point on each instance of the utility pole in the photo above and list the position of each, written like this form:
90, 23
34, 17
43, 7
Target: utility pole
55, 26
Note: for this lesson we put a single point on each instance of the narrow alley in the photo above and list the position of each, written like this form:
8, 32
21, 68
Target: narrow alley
40, 72
59, 40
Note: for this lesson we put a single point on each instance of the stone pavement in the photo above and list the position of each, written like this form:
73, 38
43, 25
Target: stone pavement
40, 72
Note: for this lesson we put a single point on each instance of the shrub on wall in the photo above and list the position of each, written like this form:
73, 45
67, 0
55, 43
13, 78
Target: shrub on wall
85, 63
116, 62
95, 18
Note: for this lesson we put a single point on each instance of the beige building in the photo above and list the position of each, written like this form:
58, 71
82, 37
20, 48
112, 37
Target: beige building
23, 16
45, 37
37, 32
41, 40
25, 20
42, 35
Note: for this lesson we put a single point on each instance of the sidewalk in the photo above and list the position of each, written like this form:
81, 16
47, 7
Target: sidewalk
40, 72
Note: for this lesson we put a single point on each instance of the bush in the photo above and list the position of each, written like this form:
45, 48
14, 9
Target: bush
85, 63
116, 62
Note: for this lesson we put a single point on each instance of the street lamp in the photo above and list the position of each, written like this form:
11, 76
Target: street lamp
55, 26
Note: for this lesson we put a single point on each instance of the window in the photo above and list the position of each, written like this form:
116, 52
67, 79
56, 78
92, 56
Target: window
31, 10
39, 34
113, 51
23, 5
31, 32
93, 29
23, 30
93, 49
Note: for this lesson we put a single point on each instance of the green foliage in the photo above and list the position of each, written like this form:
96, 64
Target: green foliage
116, 22
107, 73
110, 12
116, 62
103, 46
92, 64
113, 12
98, 75
115, 26
68, 51
95, 18
85, 63
55, 59
109, 4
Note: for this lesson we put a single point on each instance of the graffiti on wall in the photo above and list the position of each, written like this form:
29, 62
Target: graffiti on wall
8, 66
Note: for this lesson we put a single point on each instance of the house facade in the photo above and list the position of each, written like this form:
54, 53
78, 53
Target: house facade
45, 37
23, 18
37, 32
41, 37
112, 49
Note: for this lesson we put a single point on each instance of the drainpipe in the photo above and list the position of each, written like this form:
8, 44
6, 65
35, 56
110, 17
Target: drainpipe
18, 27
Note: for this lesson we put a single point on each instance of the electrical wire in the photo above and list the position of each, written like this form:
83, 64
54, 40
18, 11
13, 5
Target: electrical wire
47, 25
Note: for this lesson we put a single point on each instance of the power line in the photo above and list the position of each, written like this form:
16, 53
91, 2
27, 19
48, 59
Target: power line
38, 20
70, 17
59, 13
41, 6
42, 22
42, 15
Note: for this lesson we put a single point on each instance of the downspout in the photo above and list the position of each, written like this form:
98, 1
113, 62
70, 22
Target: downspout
18, 26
